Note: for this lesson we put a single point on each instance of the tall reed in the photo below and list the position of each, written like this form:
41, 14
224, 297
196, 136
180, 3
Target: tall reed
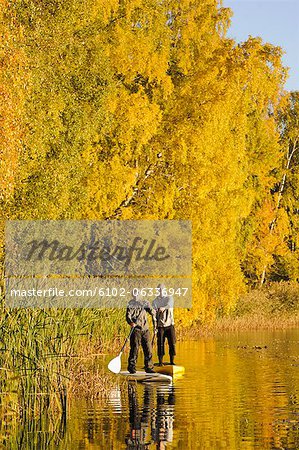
38, 347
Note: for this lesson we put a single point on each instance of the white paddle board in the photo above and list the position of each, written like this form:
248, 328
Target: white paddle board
143, 376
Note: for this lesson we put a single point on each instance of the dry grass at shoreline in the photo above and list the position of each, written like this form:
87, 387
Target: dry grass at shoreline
250, 322
257, 322
89, 376
272, 307
91, 382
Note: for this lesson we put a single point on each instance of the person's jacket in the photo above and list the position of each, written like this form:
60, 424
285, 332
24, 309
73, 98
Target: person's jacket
164, 311
137, 313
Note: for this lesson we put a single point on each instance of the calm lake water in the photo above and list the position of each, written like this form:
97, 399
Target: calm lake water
240, 391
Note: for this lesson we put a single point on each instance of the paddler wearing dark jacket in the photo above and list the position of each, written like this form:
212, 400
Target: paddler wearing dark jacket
136, 316
163, 306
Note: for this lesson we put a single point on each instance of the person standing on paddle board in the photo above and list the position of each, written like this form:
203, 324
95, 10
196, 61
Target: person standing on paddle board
136, 316
163, 306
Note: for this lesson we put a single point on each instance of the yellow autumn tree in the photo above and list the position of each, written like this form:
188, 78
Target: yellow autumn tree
146, 110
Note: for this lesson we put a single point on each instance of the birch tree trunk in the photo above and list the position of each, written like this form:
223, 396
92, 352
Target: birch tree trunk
279, 197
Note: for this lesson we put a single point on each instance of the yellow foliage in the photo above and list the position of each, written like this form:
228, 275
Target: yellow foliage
145, 110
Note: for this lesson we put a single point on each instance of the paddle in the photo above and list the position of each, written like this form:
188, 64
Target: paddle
115, 363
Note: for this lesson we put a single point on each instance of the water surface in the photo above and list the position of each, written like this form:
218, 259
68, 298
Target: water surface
240, 391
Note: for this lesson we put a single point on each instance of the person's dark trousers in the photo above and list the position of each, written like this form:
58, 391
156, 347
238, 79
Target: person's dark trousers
140, 337
169, 334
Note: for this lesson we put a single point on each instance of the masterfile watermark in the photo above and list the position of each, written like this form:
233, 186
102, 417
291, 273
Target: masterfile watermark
98, 248
141, 249
94, 292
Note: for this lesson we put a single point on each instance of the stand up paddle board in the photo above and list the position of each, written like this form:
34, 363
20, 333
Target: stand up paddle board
168, 369
143, 376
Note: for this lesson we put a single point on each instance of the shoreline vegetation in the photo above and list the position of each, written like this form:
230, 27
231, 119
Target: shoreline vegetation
272, 307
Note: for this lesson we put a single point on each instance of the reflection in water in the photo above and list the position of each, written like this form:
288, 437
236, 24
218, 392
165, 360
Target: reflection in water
153, 422
162, 425
139, 419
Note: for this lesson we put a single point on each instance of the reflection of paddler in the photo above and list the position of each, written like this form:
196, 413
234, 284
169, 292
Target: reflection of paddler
139, 420
162, 421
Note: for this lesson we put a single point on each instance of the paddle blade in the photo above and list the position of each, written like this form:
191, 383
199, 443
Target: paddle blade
115, 364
